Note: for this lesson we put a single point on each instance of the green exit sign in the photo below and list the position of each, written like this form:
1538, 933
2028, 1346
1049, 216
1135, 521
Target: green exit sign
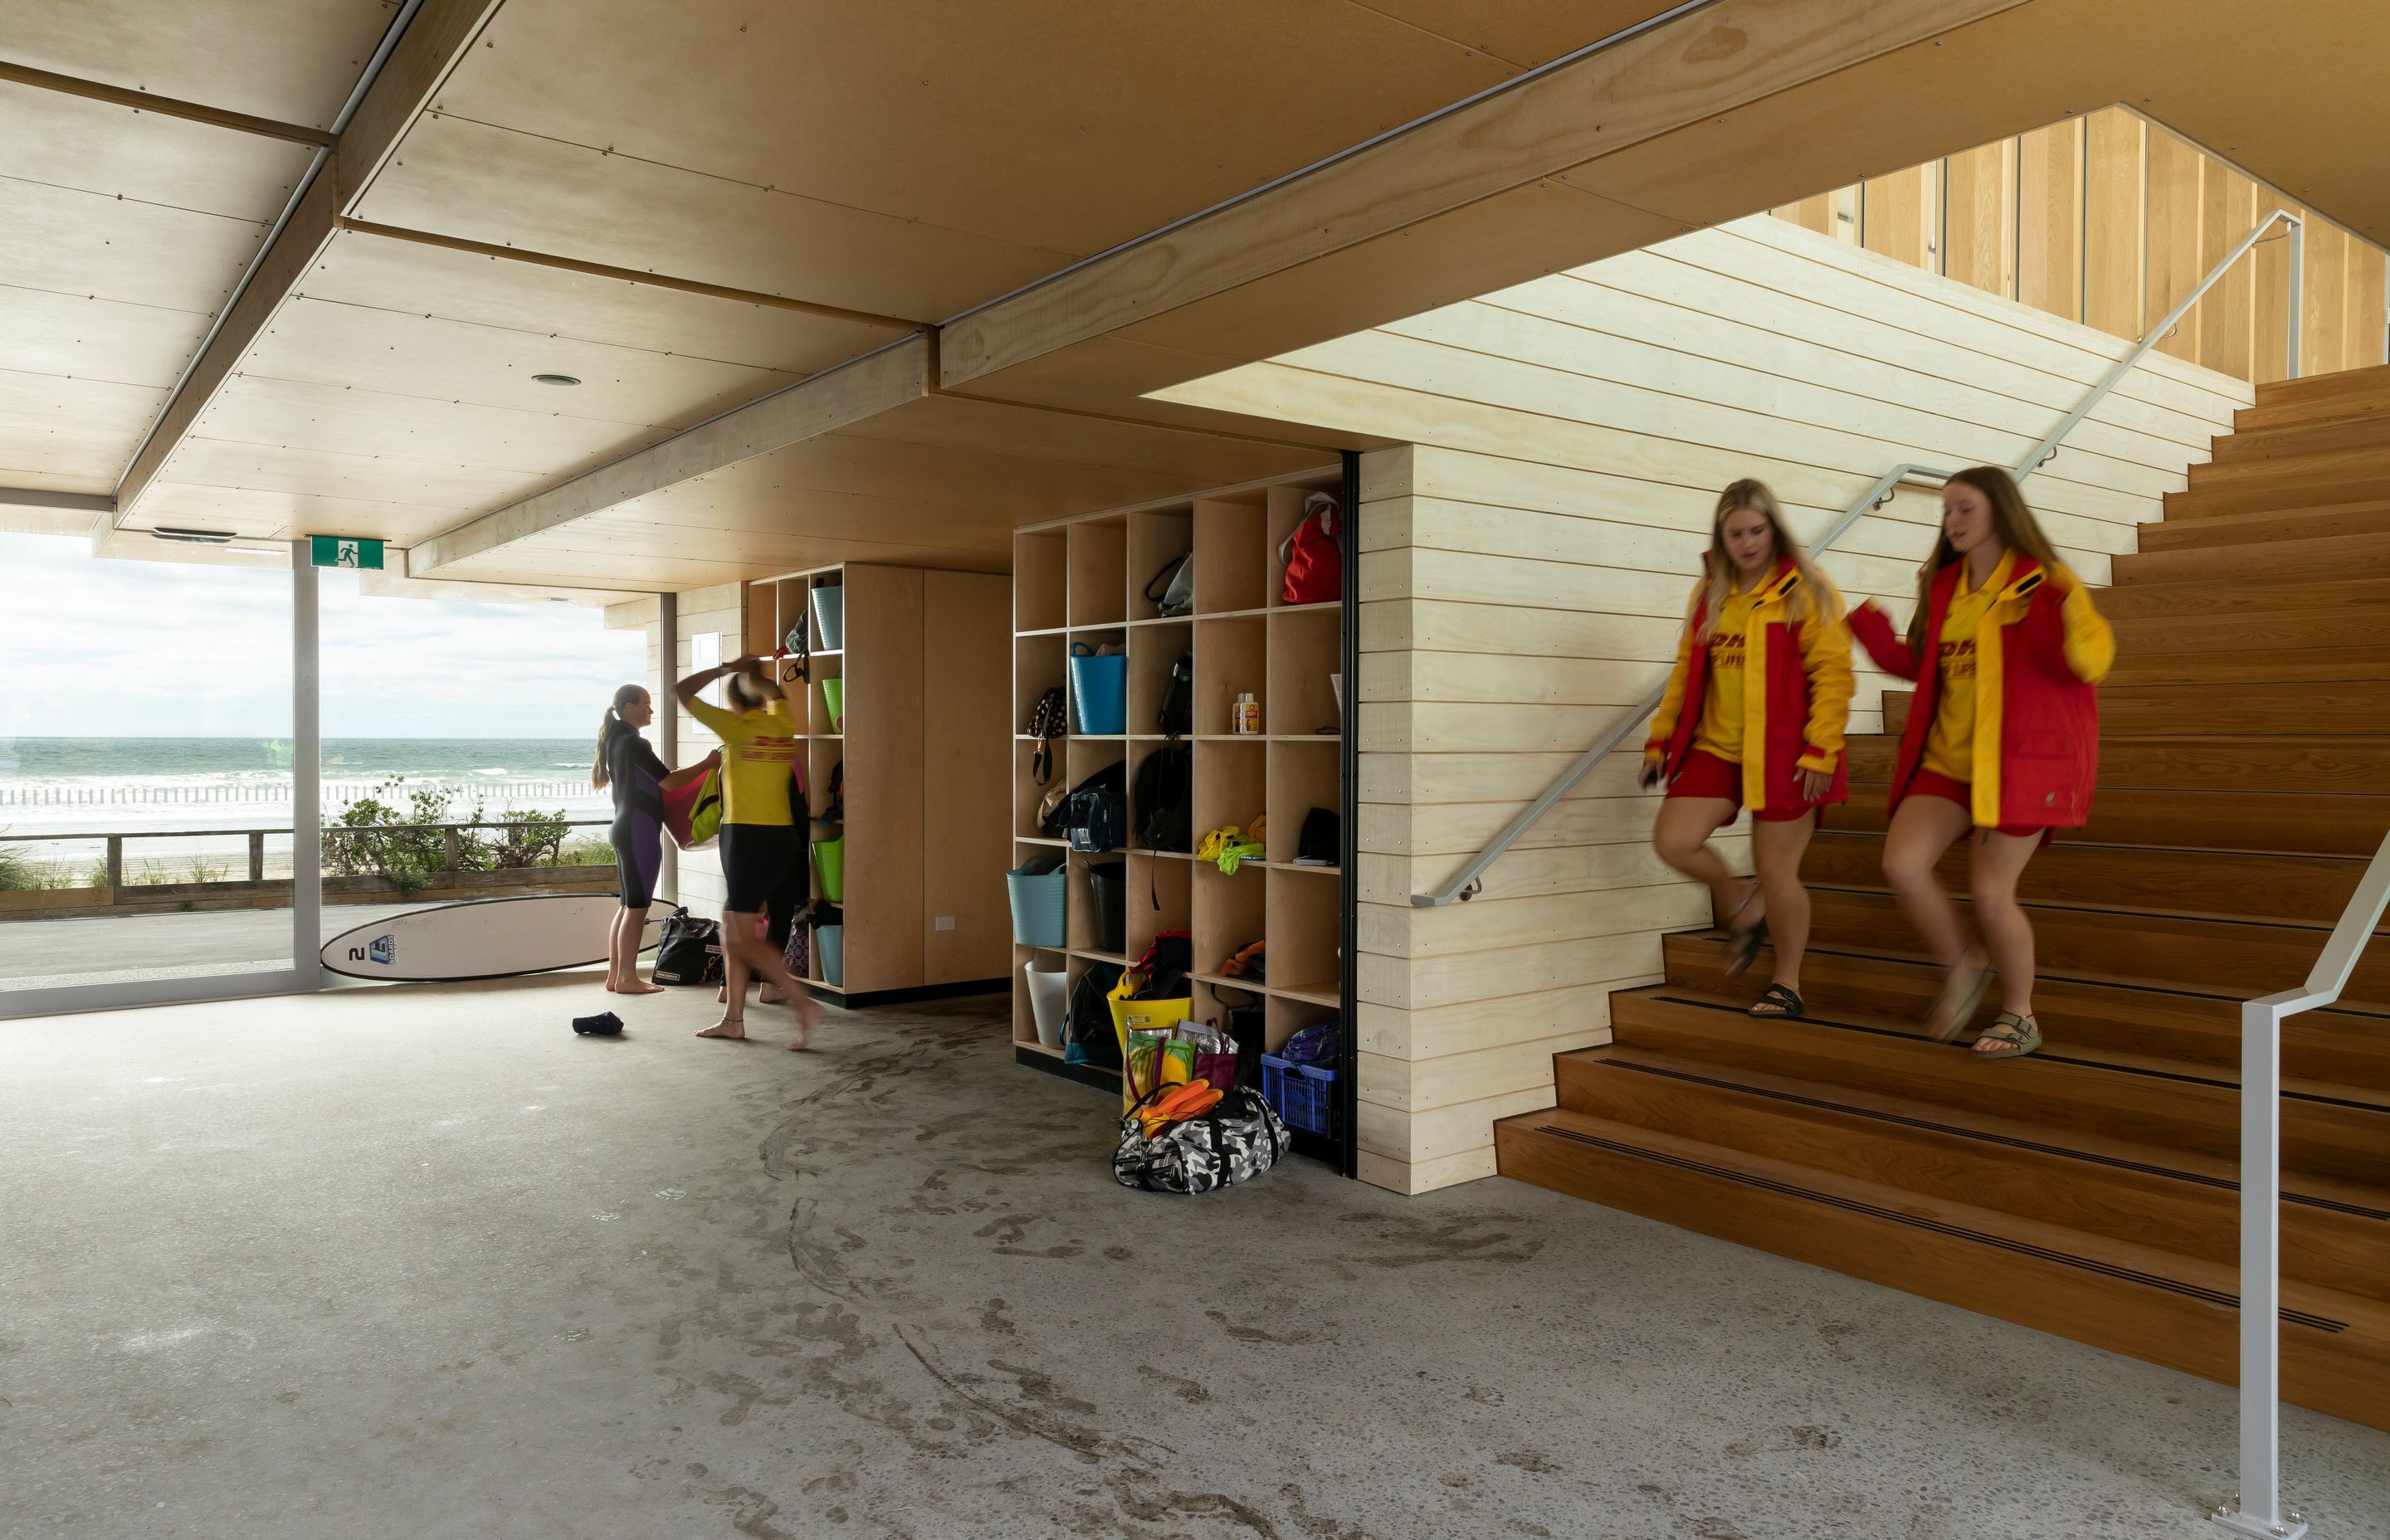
340, 550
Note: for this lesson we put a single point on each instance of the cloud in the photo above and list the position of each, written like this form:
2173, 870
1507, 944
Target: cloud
160, 650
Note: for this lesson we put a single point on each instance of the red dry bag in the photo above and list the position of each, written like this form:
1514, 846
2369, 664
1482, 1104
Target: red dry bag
1315, 567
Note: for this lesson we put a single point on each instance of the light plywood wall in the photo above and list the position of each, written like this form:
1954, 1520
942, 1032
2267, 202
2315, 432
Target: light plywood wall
1525, 563
2110, 219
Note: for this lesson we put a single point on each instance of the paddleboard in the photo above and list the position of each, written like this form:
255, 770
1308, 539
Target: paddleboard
485, 938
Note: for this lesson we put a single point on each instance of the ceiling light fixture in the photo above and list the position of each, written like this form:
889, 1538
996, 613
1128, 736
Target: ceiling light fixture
194, 537
556, 379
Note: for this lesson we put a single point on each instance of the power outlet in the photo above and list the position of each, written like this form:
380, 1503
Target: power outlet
946, 922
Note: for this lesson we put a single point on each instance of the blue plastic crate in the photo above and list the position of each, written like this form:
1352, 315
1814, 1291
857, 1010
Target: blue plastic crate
1305, 1094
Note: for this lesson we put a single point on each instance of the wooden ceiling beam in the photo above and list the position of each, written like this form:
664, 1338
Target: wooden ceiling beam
852, 393
1696, 64
166, 107
436, 38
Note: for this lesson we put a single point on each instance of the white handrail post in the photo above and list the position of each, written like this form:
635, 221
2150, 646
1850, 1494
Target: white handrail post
2298, 265
2258, 1510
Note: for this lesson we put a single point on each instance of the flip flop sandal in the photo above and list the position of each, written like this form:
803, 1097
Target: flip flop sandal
1743, 947
2015, 1035
1962, 994
1787, 1001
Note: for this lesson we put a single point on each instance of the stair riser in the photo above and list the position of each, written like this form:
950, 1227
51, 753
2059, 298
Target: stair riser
2264, 766
2301, 630
2296, 559
2235, 599
2173, 1214
2190, 1029
2345, 665
2368, 430
2284, 888
2252, 529
2284, 495
2303, 709
2212, 957
2211, 820
2363, 459
2153, 1324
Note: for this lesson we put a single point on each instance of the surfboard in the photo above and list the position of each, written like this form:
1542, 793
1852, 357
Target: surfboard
484, 938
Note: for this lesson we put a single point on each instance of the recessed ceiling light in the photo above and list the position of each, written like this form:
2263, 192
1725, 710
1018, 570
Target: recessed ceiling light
194, 537
556, 379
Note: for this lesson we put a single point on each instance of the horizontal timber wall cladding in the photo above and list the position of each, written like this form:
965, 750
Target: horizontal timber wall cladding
2109, 220
1525, 562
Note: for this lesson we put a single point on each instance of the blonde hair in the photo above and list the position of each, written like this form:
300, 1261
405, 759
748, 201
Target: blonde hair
2011, 521
1814, 595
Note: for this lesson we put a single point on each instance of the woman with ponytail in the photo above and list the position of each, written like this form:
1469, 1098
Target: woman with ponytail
2003, 739
1754, 717
626, 763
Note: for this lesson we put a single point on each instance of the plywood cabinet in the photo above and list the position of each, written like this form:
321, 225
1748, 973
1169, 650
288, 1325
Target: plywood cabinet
918, 730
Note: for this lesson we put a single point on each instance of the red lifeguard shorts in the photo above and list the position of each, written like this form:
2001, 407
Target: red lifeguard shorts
1704, 774
1928, 784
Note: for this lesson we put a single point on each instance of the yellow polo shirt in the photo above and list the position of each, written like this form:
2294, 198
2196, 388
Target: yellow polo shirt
759, 756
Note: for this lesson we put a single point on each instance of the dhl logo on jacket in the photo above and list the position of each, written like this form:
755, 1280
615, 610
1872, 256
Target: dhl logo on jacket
1796, 694
2037, 653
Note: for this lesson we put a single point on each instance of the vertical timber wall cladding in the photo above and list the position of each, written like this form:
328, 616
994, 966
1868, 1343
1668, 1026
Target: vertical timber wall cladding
1525, 562
2109, 220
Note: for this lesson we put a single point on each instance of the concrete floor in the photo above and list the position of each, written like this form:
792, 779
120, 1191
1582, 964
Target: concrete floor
419, 1262
106, 948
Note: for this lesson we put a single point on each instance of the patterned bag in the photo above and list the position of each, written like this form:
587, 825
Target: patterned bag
1235, 1142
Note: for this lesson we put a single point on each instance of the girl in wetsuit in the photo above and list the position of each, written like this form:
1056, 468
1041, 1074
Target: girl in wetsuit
626, 763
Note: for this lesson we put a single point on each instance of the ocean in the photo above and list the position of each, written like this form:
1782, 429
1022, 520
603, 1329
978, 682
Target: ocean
164, 788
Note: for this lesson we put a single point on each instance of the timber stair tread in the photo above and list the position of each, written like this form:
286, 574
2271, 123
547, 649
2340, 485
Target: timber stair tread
2320, 822
2369, 430
2264, 766
2256, 527
2160, 1305
2291, 709
2305, 556
2359, 663
2251, 596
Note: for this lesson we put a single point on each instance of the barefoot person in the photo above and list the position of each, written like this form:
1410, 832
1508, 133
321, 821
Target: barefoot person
1754, 717
2003, 739
626, 763
759, 831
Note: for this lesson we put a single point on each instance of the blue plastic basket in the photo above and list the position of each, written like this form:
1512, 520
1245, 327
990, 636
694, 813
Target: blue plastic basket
1099, 692
1040, 897
1305, 1094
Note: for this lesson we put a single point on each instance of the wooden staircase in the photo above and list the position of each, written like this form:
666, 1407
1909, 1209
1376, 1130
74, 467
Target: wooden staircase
2090, 1189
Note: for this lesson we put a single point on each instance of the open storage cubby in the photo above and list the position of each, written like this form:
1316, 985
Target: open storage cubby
924, 826
1085, 579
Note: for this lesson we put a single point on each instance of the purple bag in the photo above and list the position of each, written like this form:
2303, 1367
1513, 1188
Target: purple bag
1314, 1045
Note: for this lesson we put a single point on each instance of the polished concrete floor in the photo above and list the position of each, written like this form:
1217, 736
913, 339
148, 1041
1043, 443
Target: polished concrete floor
419, 1263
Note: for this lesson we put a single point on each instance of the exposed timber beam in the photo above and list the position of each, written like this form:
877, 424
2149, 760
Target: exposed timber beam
399, 84
165, 107
72, 502
836, 398
1687, 66
630, 274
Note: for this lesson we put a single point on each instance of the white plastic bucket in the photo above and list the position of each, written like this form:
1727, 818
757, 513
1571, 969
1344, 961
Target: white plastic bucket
1049, 983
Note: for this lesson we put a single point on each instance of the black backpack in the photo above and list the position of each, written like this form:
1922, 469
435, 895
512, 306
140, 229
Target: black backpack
1046, 724
1087, 1034
1165, 786
1092, 818
1177, 714
690, 951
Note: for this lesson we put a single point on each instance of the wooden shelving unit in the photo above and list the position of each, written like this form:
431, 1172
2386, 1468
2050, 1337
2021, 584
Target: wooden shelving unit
922, 667
1084, 580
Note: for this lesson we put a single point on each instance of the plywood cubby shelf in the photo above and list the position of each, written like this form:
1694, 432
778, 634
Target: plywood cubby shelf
1085, 579
922, 665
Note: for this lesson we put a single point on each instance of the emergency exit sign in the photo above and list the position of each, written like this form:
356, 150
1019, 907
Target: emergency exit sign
340, 550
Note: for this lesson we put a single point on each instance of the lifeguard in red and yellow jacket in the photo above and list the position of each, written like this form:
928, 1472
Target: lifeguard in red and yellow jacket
2003, 738
1754, 717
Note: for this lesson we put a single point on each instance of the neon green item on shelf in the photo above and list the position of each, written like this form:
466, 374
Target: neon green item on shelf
1228, 847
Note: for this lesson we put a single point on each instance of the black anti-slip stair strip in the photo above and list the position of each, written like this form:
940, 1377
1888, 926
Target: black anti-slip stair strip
2045, 1056
1959, 1131
1936, 1226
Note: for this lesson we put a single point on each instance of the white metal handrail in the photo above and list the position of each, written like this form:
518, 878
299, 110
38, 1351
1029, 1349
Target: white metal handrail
2259, 1505
1463, 885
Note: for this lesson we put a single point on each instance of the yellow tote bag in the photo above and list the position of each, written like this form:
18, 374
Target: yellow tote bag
1140, 1016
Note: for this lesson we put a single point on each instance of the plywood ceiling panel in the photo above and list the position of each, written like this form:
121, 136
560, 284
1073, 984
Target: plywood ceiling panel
1526, 32
73, 334
461, 178
75, 242
1047, 124
431, 358
84, 427
383, 478
47, 481
429, 280
290, 59
98, 146
188, 506
530, 448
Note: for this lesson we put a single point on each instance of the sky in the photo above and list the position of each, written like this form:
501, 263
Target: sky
94, 649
